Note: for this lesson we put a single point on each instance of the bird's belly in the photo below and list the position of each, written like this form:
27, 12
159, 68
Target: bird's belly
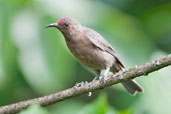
92, 57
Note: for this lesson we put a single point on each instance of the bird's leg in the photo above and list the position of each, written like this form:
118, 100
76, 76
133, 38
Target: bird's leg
104, 76
96, 77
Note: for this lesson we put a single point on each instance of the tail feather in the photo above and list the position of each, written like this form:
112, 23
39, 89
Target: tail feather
132, 87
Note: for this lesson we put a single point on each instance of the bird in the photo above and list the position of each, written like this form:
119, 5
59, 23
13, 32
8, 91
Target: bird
93, 50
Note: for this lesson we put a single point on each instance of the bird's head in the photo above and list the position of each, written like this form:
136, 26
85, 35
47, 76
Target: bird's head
66, 25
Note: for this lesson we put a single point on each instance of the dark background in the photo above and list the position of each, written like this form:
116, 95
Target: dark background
35, 61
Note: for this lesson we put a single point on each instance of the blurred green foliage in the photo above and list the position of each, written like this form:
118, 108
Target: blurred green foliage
35, 61
34, 109
100, 106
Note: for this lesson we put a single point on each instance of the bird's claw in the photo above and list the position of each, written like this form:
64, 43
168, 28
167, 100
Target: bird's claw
104, 77
104, 80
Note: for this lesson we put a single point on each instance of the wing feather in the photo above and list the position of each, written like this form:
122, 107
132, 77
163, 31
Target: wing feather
97, 40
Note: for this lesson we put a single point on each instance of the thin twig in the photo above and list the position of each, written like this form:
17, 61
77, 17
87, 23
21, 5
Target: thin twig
121, 76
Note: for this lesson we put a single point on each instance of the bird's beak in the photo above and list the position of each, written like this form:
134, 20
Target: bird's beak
52, 25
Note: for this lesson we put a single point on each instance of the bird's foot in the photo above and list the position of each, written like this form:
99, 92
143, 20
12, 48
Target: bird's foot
104, 77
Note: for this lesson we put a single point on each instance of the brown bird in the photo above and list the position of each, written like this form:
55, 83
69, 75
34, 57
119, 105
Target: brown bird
92, 50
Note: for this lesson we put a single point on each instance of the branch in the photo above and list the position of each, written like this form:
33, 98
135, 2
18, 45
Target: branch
121, 76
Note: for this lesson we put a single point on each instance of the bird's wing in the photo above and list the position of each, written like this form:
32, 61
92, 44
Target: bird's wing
97, 40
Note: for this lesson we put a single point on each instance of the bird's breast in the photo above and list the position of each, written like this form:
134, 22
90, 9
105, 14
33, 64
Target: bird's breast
80, 48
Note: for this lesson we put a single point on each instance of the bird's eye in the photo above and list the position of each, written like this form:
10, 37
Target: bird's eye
66, 24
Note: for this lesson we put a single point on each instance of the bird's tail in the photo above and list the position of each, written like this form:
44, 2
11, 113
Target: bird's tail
132, 87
